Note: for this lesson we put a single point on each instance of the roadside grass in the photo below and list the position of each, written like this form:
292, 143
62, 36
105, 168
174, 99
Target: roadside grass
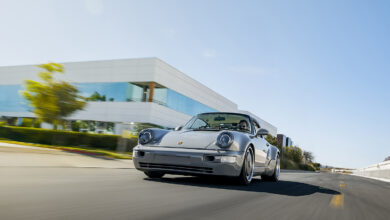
291, 165
76, 149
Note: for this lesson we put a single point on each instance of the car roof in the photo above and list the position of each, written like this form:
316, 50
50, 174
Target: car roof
233, 113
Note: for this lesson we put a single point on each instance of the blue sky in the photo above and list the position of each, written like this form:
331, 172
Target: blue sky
318, 70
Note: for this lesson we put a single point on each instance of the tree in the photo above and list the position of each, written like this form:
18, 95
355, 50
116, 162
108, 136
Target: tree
272, 140
141, 126
97, 97
52, 100
308, 156
294, 153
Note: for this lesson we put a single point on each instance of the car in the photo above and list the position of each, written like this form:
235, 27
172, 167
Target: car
215, 143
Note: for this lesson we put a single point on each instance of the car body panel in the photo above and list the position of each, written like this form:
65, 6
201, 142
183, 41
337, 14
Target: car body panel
189, 139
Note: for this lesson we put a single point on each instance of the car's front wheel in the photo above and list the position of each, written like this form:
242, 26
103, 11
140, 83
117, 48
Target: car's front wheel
154, 174
246, 175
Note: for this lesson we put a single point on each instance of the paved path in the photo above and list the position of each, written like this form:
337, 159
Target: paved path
12, 155
58, 187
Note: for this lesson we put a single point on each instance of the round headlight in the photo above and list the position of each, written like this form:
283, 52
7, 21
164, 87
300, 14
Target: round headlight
225, 139
145, 137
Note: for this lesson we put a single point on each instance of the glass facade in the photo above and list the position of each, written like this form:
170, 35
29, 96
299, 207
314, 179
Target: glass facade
11, 101
185, 104
169, 98
112, 91
135, 93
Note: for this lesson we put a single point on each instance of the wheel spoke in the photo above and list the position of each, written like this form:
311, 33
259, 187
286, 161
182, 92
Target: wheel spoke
249, 165
277, 168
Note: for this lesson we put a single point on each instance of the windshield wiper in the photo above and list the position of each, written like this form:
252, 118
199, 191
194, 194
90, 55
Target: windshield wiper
205, 129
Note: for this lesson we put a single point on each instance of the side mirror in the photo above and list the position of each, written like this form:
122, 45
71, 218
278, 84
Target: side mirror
262, 132
178, 128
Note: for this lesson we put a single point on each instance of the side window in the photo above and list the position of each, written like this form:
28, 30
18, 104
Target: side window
198, 123
257, 126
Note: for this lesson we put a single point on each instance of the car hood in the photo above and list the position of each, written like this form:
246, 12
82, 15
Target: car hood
189, 139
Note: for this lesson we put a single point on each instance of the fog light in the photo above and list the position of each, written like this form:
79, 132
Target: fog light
226, 159
209, 158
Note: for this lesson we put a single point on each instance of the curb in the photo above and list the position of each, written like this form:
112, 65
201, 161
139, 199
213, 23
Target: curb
84, 152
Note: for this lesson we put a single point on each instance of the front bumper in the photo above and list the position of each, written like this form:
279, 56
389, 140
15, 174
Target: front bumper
187, 161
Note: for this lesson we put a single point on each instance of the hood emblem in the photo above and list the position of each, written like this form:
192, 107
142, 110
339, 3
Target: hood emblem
180, 142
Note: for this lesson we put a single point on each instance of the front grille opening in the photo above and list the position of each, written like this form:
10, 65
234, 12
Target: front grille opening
177, 167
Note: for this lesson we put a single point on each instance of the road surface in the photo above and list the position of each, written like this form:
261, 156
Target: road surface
64, 188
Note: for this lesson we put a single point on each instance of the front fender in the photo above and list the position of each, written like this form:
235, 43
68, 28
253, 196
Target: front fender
241, 142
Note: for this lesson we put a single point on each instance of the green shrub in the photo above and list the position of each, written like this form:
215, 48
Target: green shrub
27, 122
30, 122
75, 125
294, 153
308, 167
62, 138
289, 164
37, 123
292, 165
317, 166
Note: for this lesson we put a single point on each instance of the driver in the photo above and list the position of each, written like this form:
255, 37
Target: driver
243, 125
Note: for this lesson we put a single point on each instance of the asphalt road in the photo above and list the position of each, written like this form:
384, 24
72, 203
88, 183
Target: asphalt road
103, 191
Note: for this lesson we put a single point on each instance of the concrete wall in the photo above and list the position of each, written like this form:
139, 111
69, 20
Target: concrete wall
145, 112
182, 83
380, 170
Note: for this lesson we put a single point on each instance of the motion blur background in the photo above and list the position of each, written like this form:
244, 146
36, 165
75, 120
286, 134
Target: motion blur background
320, 68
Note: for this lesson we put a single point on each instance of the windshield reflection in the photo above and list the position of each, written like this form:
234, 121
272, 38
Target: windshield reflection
219, 121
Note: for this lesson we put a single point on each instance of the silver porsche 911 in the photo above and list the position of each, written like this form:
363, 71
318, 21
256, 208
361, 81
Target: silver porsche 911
224, 144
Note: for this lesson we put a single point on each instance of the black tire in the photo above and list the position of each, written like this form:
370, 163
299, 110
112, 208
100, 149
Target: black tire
154, 174
275, 175
246, 174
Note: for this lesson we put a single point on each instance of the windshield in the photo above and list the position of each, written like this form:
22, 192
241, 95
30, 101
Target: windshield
220, 121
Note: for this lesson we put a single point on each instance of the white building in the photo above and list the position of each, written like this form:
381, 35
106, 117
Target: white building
145, 90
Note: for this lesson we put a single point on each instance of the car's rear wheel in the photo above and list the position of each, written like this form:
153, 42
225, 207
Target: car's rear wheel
246, 175
154, 174
276, 173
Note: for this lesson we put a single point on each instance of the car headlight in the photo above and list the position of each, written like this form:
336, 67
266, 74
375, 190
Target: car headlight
145, 137
225, 139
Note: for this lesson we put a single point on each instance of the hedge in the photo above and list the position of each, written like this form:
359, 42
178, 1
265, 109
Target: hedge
62, 138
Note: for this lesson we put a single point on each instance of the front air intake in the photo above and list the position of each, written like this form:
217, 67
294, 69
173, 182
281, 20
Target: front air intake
179, 168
